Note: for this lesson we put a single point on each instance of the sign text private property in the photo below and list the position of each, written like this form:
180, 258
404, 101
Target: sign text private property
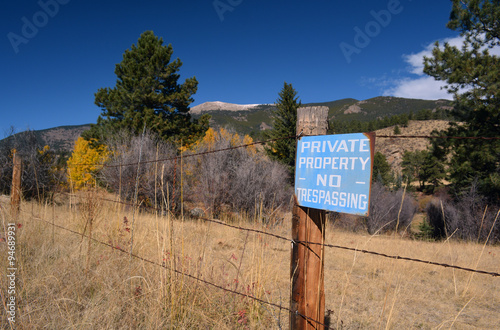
333, 172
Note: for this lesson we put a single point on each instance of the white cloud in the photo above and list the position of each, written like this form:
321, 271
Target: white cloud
420, 88
416, 61
423, 86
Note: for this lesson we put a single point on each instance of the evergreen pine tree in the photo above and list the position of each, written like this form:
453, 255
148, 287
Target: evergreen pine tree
381, 169
472, 75
147, 92
404, 119
411, 116
413, 164
431, 172
284, 124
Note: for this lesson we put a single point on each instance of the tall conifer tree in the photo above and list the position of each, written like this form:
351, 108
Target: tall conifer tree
147, 92
284, 125
472, 75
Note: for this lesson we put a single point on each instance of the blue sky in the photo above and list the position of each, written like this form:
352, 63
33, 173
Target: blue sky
57, 53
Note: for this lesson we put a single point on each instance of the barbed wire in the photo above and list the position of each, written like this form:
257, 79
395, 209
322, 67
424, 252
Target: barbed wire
219, 222
403, 258
277, 139
198, 218
397, 257
308, 319
204, 152
182, 273
437, 137
355, 249
188, 155
264, 233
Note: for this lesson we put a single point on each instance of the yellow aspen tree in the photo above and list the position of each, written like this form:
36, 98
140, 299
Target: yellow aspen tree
211, 137
85, 161
247, 139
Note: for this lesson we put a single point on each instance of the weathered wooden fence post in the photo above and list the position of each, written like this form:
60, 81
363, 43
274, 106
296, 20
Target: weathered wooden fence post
15, 189
308, 224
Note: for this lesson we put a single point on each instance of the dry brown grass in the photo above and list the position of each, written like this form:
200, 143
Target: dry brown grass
362, 291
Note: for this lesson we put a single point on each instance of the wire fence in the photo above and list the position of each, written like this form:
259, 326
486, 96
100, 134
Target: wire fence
163, 265
264, 142
240, 228
189, 155
263, 232
436, 137
384, 255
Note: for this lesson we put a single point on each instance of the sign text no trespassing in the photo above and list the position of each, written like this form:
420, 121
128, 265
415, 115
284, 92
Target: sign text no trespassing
333, 172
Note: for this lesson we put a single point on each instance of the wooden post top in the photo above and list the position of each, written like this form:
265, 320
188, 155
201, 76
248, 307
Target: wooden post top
312, 120
307, 263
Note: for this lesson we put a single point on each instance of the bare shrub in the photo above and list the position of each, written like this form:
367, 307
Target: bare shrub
389, 210
209, 181
258, 180
234, 179
121, 173
40, 175
238, 178
348, 222
468, 218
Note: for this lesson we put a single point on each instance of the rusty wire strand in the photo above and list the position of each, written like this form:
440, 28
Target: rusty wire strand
327, 245
288, 137
206, 152
191, 155
270, 234
437, 137
183, 274
354, 249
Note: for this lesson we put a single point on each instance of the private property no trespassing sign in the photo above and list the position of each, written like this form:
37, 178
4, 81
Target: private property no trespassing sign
334, 172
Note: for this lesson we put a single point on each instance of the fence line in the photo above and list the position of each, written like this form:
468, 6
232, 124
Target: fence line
384, 255
190, 155
284, 138
437, 137
261, 301
353, 249
309, 320
406, 258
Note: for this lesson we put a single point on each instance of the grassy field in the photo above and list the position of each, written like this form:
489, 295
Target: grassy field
63, 282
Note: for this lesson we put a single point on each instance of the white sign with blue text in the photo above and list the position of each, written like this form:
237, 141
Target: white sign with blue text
333, 172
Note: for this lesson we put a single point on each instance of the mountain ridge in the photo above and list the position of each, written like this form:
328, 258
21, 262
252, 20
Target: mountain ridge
60, 138
253, 119
224, 106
